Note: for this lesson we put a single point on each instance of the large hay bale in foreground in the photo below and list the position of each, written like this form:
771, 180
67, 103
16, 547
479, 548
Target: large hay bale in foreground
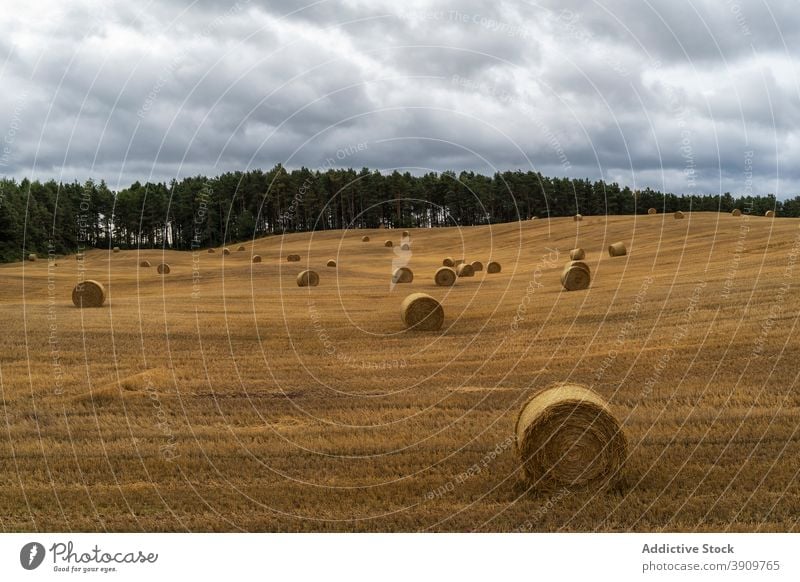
89, 293
577, 254
226, 251
144, 264
364, 239
293, 258
445, 277
422, 312
256, 258
568, 437
388, 243
32, 257
465, 270
577, 217
308, 278
163, 269
617, 249
477, 266
402, 275
448, 262
770, 214
331, 263
652, 211
493, 267
115, 249
736, 212
576, 276
678, 215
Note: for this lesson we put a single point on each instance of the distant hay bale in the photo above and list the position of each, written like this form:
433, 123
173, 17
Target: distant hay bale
617, 249
493, 267
568, 437
240, 248
32, 256
364, 239
652, 211
308, 278
533, 217
388, 243
736, 212
465, 270
448, 262
445, 277
458, 262
770, 214
145, 264
256, 258
80, 257
576, 276
405, 247
293, 258
577, 254
405, 234
226, 251
115, 249
678, 215
422, 312
163, 269
477, 266
402, 275
89, 293
331, 263
211, 251
577, 217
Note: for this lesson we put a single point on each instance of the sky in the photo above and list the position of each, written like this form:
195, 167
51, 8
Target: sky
682, 96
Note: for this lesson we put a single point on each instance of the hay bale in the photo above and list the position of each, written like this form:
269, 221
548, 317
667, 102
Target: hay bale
256, 258
308, 278
577, 254
211, 251
163, 269
445, 277
364, 239
477, 266
402, 275
448, 262
331, 263
465, 270
388, 243
80, 257
422, 312
240, 248
578, 217
617, 249
652, 211
144, 264
493, 267
678, 215
406, 234
115, 249
226, 251
89, 293
293, 258
32, 256
576, 276
770, 214
568, 437
736, 212
405, 247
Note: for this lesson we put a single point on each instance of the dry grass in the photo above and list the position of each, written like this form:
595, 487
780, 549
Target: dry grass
225, 409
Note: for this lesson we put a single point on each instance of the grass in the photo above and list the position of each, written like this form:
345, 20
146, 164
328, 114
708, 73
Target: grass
230, 399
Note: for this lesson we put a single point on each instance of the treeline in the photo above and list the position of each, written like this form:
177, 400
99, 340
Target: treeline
200, 212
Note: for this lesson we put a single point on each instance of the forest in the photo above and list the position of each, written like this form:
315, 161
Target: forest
198, 212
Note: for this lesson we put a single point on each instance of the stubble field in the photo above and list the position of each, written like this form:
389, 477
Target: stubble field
222, 397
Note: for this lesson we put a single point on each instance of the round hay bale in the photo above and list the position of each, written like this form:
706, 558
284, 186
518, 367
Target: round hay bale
422, 312
89, 293
80, 257
405, 247
533, 217
445, 277
405, 234
493, 267
331, 263
307, 278
568, 437
32, 257
226, 251
736, 212
145, 264
402, 275
448, 262
211, 251
575, 276
770, 214
256, 258
240, 248
577, 254
388, 243
652, 211
364, 239
293, 258
115, 249
617, 249
578, 217
477, 266
465, 270
163, 269
678, 215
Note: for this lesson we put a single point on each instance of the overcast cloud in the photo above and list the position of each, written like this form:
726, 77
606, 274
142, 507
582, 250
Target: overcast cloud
670, 94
